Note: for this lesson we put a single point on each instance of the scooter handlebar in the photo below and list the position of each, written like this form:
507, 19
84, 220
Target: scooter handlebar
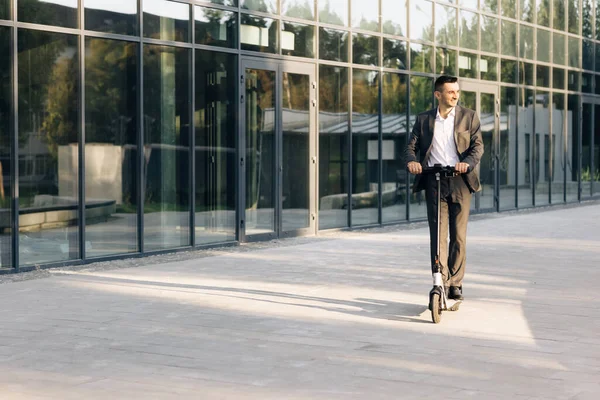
444, 170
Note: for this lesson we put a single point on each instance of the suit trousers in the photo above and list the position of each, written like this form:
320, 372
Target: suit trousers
454, 215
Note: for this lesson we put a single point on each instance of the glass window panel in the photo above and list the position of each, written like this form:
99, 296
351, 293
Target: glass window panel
469, 27
295, 145
542, 148
572, 145
587, 83
216, 136
167, 145
260, 127
111, 134
595, 170
472, 3
231, 3
394, 137
489, 34
574, 49
597, 85
574, 16
421, 11
421, 99
445, 62
559, 53
5, 9
166, 20
588, 55
394, 54
365, 49
558, 78
112, 17
597, 57
267, 6
560, 11
365, 149
365, 15
587, 23
543, 76
508, 71
467, 65
527, 10
333, 45
333, 12
298, 40
573, 81
54, 12
304, 9
216, 27
490, 6
597, 19
526, 71
556, 166
525, 147
527, 45
445, 25
509, 38
5, 146
508, 8
587, 127
543, 12
488, 67
258, 33
507, 150
333, 147
543, 45
393, 17
48, 137
421, 58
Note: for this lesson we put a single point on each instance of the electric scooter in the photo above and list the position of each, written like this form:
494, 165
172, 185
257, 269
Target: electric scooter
438, 300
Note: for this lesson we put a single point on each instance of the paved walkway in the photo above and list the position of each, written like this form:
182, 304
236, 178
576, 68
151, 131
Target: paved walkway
341, 316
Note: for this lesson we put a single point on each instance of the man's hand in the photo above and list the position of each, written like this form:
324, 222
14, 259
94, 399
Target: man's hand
461, 167
414, 168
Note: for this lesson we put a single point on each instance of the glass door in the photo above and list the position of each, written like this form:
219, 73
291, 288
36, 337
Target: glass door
278, 161
484, 99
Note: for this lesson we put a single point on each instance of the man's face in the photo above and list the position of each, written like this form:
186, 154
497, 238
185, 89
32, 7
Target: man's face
449, 95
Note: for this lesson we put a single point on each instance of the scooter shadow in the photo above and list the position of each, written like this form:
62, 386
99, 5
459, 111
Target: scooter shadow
394, 311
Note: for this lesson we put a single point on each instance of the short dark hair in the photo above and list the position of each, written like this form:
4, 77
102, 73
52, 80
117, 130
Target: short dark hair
443, 79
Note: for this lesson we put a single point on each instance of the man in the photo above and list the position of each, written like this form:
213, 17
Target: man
447, 135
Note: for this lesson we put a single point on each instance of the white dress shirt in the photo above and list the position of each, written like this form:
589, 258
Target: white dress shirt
443, 149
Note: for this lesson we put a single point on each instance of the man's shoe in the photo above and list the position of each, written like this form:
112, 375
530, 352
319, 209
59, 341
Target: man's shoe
455, 293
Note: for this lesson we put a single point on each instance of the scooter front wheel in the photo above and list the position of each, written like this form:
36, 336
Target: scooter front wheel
436, 309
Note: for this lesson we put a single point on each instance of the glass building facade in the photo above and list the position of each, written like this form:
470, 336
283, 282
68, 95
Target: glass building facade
133, 127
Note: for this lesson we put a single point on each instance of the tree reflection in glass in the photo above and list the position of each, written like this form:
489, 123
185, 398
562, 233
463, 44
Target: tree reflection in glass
111, 152
365, 15
216, 27
48, 147
421, 11
365, 147
394, 135
445, 25
393, 17
112, 16
333, 12
62, 13
266, 6
333, 147
303, 9
166, 147
5, 148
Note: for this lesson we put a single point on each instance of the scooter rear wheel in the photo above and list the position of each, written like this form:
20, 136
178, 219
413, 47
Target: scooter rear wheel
436, 310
